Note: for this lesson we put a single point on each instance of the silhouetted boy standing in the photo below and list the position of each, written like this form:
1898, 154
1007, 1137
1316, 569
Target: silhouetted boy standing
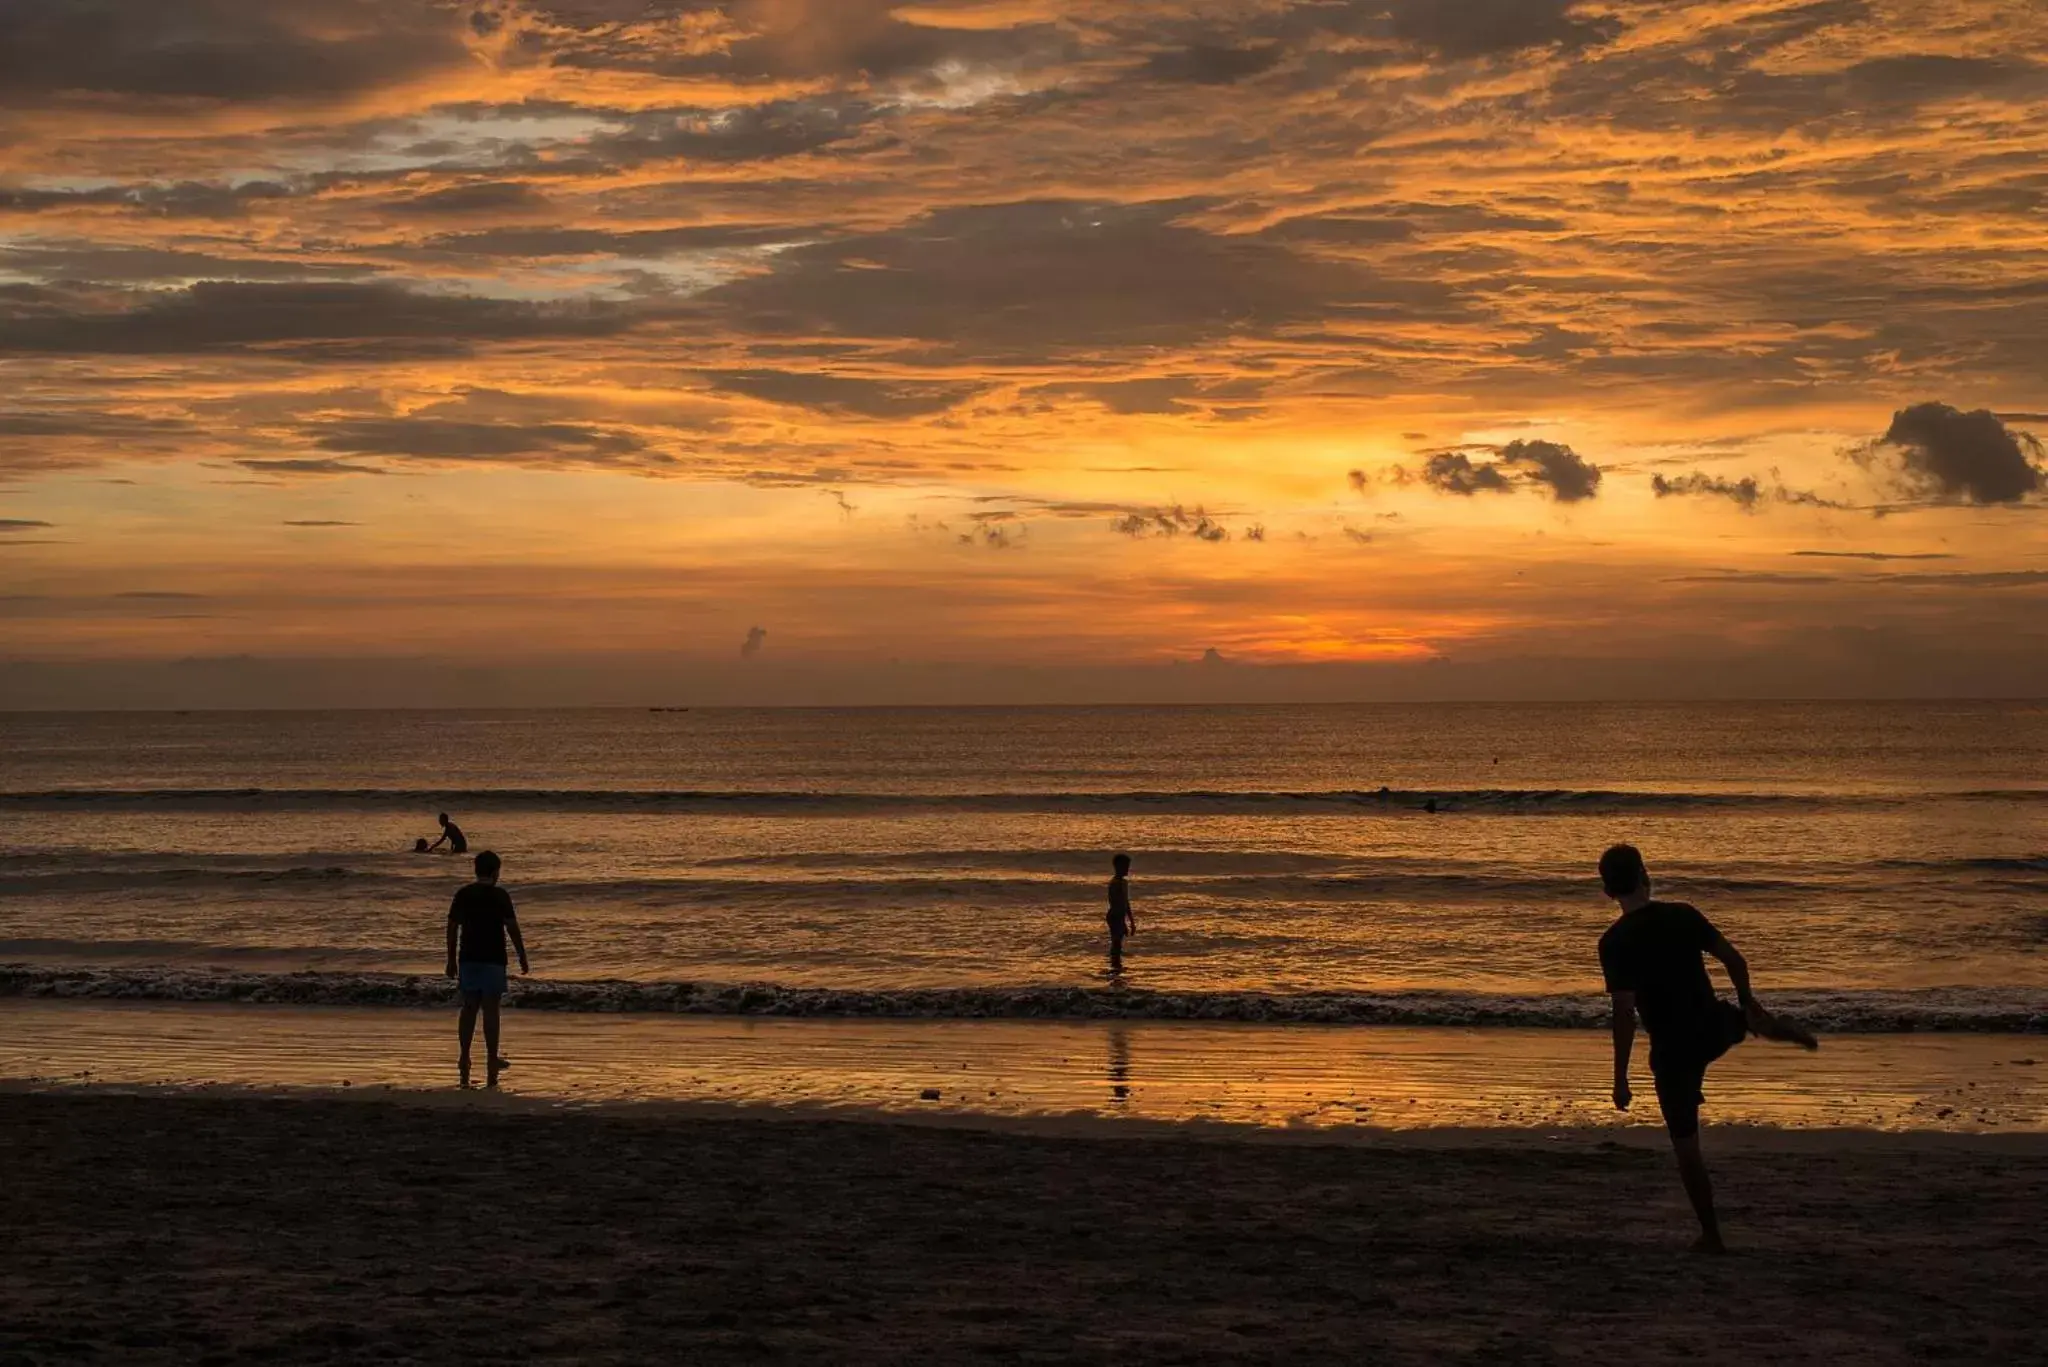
1121, 921
479, 919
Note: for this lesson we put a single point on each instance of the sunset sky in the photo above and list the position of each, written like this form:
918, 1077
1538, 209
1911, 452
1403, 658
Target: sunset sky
387, 351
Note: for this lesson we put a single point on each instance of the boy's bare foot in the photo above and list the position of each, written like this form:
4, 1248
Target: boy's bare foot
1782, 1030
498, 1065
462, 1072
1709, 1244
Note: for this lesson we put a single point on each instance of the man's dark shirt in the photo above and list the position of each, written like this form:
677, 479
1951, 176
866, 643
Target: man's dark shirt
482, 909
453, 834
1654, 952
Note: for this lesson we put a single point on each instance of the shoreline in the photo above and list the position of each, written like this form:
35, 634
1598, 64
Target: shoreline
1317, 1079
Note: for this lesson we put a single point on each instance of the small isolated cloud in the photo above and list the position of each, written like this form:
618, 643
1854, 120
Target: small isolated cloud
993, 534
1875, 555
1745, 493
1568, 476
846, 507
1173, 521
307, 465
318, 522
1454, 472
752, 645
1948, 454
20, 524
1359, 480
1255, 532
1362, 538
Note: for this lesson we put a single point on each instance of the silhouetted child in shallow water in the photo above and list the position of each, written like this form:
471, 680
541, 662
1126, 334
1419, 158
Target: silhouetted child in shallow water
1651, 958
1121, 921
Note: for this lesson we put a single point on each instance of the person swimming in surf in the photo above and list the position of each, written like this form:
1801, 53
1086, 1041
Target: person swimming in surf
1651, 960
1121, 920
451, 835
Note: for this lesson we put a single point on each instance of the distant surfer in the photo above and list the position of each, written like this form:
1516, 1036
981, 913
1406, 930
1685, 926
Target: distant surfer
479, 920
452, 835
1651, 960
1121, 920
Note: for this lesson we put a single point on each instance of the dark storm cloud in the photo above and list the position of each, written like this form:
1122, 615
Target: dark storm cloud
222, 315
223, 51
1744, 492
1211, 63
842, 394
446, 439
1949, 454
1040, 275
481, 197
1482, 28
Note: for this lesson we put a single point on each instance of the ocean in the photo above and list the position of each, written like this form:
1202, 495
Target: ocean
1883, 865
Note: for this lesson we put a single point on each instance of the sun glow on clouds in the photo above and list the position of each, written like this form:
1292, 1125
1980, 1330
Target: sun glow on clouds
1413, 336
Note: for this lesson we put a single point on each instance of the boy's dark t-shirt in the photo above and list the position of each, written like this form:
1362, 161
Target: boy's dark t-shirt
1654, 952
481, 910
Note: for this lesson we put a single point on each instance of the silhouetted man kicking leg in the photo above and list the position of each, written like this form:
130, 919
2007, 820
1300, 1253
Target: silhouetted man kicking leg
1651, 959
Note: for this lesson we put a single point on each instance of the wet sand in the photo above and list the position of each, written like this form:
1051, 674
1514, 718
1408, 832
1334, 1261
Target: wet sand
168, 1227
1328, 1079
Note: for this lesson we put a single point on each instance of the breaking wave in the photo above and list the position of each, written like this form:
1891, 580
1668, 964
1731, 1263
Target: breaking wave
1844, 1012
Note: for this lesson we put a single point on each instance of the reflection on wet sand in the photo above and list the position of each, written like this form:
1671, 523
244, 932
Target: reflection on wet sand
1119, 1064
1315, 1077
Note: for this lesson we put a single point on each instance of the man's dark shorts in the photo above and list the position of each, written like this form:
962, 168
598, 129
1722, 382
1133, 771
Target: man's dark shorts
1680, 1077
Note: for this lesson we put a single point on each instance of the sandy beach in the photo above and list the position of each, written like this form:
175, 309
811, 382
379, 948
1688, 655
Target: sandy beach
165, 1227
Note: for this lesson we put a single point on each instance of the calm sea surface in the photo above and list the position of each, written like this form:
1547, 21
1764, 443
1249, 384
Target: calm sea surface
1883, 863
